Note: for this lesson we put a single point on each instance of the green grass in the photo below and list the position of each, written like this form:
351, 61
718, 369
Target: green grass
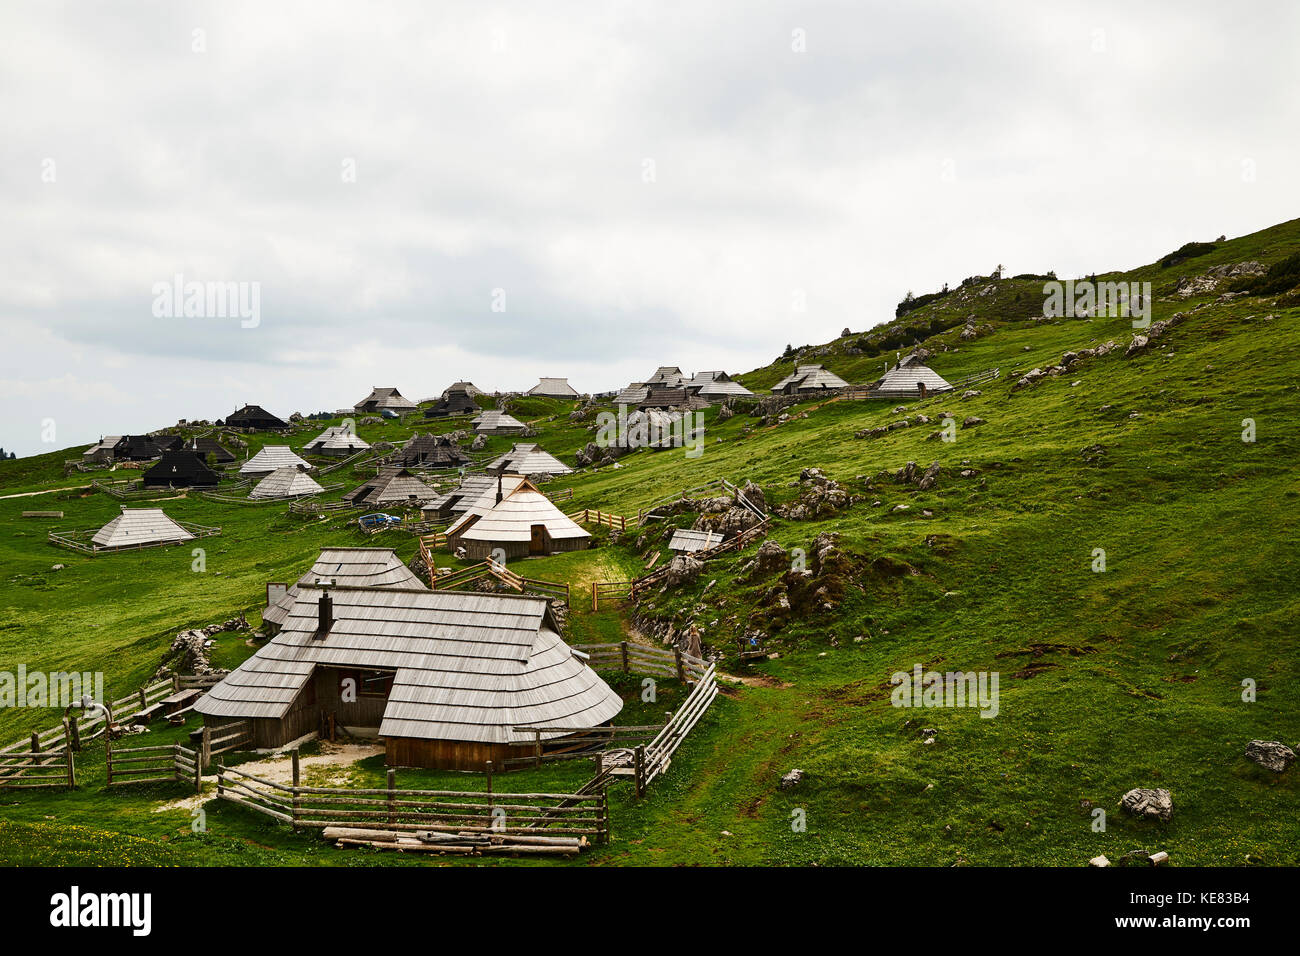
1113, 680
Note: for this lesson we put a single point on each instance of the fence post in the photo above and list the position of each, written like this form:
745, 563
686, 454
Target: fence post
108, 755
488, 767
198, 774
297, 799
221, 780
176, 683
623, 646
392, 785
537, 748
638, 766
604, 814
142, 703
595, 599
205, 748
72, 770
36, 742
677, 656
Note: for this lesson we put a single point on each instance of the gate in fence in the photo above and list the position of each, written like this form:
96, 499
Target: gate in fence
164, 763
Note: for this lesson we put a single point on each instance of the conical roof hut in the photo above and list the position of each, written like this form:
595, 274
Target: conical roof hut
553, 388
288, 482
138, 527
337, 440
455, 401
393, 485
498, 423
529, 459
431, 451
271, 458
910, 378
522, 522
345, 567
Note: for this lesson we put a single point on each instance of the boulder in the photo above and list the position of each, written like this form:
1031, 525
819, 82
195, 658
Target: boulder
791, 780
683, 570
1270, 754
771, 557
972, 421
1143, 802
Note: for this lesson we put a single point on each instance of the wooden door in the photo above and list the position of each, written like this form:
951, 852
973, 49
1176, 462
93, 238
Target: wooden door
537, 543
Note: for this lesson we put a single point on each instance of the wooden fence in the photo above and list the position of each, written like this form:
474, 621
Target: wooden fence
642, 659
42, 769
164, 763
516, 820
652, 759
578, 744
237, 735
592, 516
609, 591
555, 590
312, 508
81, 540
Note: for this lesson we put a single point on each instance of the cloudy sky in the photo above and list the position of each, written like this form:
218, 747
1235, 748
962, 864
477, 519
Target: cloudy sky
430, 191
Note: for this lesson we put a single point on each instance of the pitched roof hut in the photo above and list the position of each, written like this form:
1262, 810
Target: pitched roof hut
210, 446
102, 451
553, 388
384, 398
288, 482
393, 485
529, 459
431, 451
347, 567
444, 676
454, 401
468, 387
180, 469
141, 447
667, 376
138, 528
634, 394
910, 378
668, 398
809, 380
498, 423
255, 417
338, 441
716, 386
271, 458
520, 523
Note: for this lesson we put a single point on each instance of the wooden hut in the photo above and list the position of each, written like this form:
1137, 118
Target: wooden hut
667, 376
553, 388
444, 678
350, 567
204, 447
910, 378
525, 458
394, 485
144, 447
475, 492
686, 541
139, 528
381, 399
498, 423
519, 524
809, 381
271, 458
180, 469
431, 451
454, 402
254, 418
287, 482
337, 441
716, 386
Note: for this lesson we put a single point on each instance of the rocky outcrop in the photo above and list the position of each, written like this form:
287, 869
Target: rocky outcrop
820, 497
188, 653
1155, 804
684, 569
1270, 754
593, 454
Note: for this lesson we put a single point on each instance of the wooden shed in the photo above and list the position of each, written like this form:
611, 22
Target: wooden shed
380, 399
180, 469
256, 418
520, 523
444, 678
272, 458
527, 458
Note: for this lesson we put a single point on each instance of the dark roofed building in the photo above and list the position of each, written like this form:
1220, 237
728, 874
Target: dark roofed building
180, 469
255, 417
210, 446
139, 448
431, 451
455, 401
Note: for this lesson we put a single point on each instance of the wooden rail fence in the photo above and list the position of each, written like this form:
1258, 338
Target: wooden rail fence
81, 540
514, 821
641, 659
40, 769
490, 569
75, 730
164, 763
592, 516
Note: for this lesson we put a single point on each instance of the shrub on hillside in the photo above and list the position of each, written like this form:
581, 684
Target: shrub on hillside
1190, 250
1281, 277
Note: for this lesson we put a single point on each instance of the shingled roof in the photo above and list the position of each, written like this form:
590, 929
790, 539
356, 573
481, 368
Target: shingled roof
905, 378
809, 378
553, 388
337, 439
286, 482
454, 401
347, 567
136, 527
497, 423
179, 469
431, 451
529, 459
467, 667
381, 398
270, 458
255, 417
393, 485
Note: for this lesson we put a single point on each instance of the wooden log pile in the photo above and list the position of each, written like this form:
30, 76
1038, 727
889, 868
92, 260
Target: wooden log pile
467, 843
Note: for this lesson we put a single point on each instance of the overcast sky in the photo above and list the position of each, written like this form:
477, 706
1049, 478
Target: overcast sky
647, 183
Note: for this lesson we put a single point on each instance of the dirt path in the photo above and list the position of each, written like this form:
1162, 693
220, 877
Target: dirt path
278, 768
47, 491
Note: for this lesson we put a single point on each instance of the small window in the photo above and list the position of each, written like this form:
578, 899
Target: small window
375, 684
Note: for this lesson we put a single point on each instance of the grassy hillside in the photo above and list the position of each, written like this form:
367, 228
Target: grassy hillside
1109, 680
